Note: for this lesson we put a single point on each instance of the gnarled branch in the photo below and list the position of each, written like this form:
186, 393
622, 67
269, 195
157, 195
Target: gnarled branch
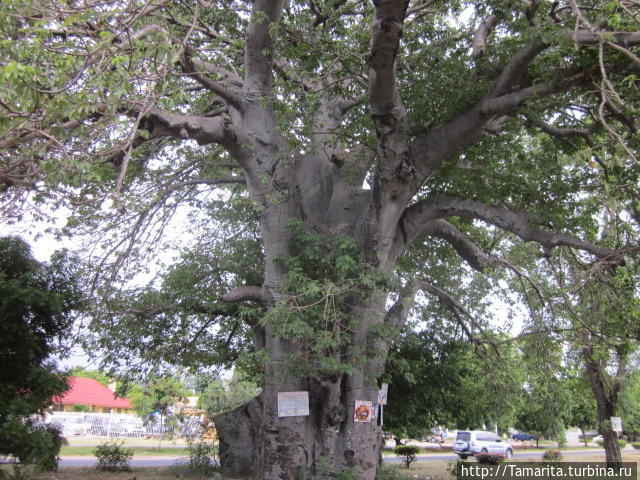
246, 293
417, 217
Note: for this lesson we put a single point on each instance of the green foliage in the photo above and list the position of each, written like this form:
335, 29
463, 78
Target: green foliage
202, 456
438, 380
158, 394
629, 405
551, 455
18, 472
97, 375
489, 459
636, 445
38, 302
81, 407
455, 468
622, 443
408, 453
221, 396
386, 472
348, 474
324, 276
112, 457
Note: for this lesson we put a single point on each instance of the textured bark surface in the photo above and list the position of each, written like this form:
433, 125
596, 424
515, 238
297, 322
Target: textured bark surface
239, 434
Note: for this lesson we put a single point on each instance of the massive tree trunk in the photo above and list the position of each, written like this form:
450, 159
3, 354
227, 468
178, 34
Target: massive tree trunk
255, 441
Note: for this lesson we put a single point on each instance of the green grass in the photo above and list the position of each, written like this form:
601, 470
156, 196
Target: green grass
88, 450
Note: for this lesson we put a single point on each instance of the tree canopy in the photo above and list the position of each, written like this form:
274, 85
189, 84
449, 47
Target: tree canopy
334, 178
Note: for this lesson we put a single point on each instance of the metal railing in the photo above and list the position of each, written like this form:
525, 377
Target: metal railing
75, 424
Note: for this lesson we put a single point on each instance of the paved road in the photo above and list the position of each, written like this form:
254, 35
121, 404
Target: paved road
168, 460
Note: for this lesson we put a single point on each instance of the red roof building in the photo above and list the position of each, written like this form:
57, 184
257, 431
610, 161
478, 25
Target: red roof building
87, 391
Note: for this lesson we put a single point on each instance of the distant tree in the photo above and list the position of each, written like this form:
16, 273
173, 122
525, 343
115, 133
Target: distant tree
37, 306
97, 375
158, 395
629, 406
582, 406
434, 382
546, 398
223, 396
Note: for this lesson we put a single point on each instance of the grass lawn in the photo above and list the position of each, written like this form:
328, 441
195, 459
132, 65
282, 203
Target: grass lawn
147, 450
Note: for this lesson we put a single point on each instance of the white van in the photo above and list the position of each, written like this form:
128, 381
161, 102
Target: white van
472, 443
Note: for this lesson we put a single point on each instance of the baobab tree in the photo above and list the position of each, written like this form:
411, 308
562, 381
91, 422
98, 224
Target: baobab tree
364, 135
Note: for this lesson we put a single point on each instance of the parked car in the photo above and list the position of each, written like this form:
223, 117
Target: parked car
435, 436
523, 437
597, 438
473, 443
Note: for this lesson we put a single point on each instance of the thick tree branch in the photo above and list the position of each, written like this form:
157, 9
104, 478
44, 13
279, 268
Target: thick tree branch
516, 69
259, 47
477, 258
417, 217
195, 68
480, 36
247, 293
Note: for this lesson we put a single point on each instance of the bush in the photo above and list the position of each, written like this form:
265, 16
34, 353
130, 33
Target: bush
38, 445
586, 438
408, 452
622, 443
112, 457
202, 457
600, 442
551, 455
81, 407
20, 472
348, 474
386, 472
636, 445
490, 459
455, 468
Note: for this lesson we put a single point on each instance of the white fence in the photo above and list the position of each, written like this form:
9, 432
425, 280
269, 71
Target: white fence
74, 424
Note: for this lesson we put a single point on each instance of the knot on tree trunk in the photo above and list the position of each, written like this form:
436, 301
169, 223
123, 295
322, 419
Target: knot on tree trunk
336, 414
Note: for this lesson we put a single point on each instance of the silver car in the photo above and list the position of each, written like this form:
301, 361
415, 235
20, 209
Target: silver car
473, 443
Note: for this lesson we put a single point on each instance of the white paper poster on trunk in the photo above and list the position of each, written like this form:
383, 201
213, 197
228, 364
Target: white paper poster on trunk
616, 424
362, 411
382, 394
293, 404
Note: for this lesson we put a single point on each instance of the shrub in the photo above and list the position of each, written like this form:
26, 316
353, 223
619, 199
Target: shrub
39, 445
20, 472
112, 457
408, 452
348, 474
586, 438
600, 442
386, 472
202, 457
490, 459
81, 407
552, 455
622, 443
455, 468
